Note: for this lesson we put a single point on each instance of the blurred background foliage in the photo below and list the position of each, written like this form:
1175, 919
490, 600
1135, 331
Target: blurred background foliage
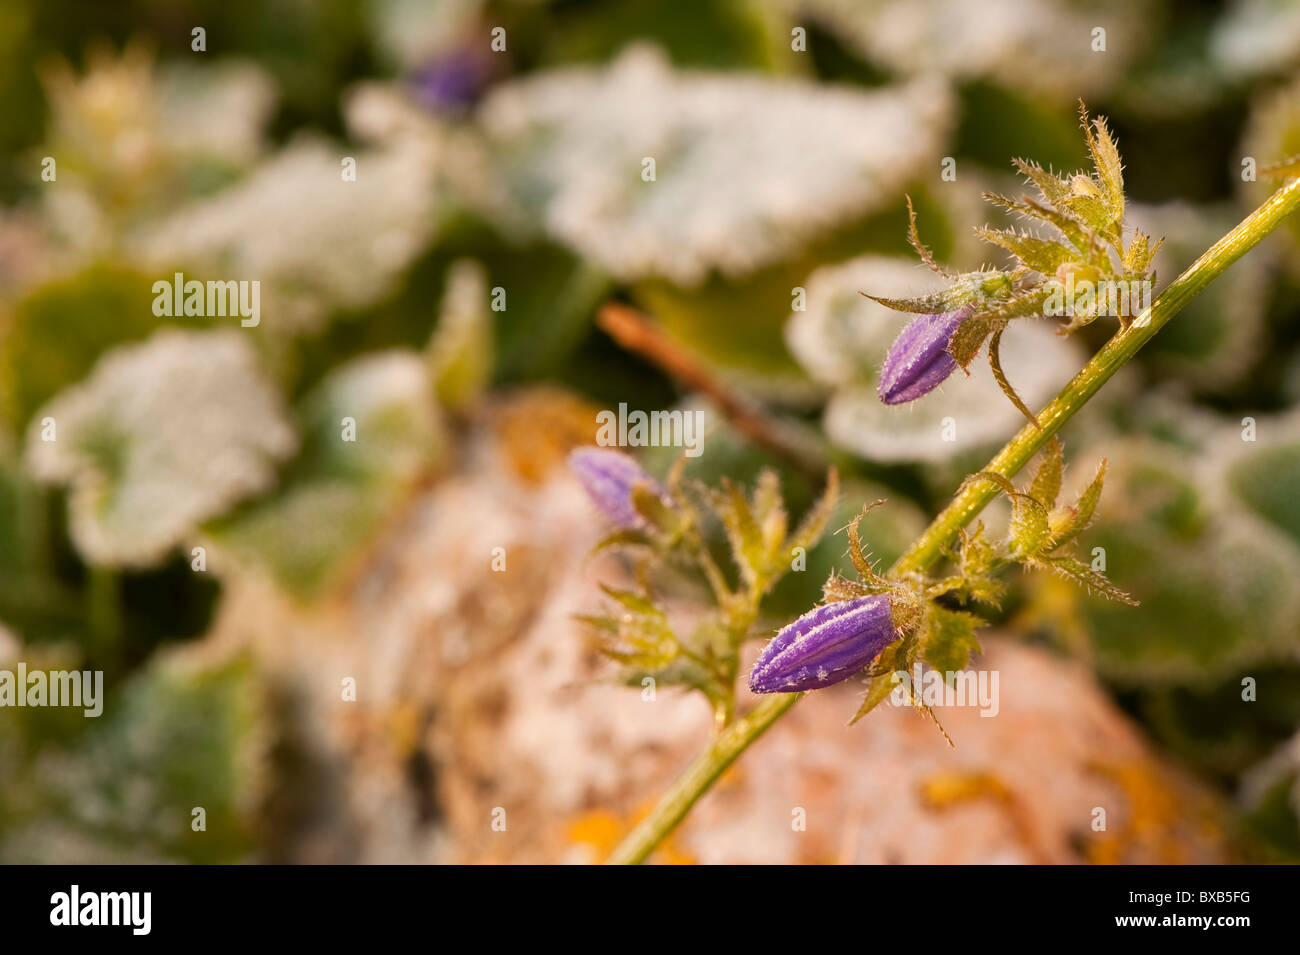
776, 170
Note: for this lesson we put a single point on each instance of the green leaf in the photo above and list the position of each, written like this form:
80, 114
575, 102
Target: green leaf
1082, 512
1020, 305
978, 554
969, 338
621, 539
1028, 530
948, 300
1105, 157
632, 601
1053, 188
174, 736
770, 514
756, 539
640, 637
651, 507
949, 638
839, 588
1041, 255
882, 682
1268, 482
54, 335
1139, 254
1094, 582
1030, 209
914, 238
1046, 485
858, 555
1093, 212
995, 363
742, 532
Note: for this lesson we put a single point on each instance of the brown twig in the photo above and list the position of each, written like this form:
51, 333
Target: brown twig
635, 332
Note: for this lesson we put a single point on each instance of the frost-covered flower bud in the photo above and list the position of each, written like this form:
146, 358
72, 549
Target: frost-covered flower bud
826, 645
609, 477
918, 361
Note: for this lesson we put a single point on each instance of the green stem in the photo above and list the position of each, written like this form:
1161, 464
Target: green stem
728, 745
698, 777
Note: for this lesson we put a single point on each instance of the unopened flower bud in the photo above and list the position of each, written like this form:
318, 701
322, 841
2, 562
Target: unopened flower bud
918, 361
609, 477
826, 645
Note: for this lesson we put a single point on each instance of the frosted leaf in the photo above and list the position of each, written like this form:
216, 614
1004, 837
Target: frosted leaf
179, 734
1220, 332
1272, 134
315, 241
1256, 37
389, 396
409, 32
218, 111
748, 169
1044, 46
1262, 475
842, 336
1216, 579
1280, 771
386, 116
340, 492
159, 437
842, 340
130, 139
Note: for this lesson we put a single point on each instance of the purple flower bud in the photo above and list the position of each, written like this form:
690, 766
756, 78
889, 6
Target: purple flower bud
918, 361
453, 81
609, 477
826, 645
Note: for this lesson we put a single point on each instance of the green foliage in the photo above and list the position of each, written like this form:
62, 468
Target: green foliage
371, 433
160, 437
1268, 482
949, 638
637, 634
1041, 531
1216, 583
52, 336
1086, 211
125, 785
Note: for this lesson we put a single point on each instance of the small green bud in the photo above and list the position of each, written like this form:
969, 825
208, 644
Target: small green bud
1081, 185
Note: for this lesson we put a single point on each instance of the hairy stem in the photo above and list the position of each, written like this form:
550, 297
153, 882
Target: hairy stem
705, 769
